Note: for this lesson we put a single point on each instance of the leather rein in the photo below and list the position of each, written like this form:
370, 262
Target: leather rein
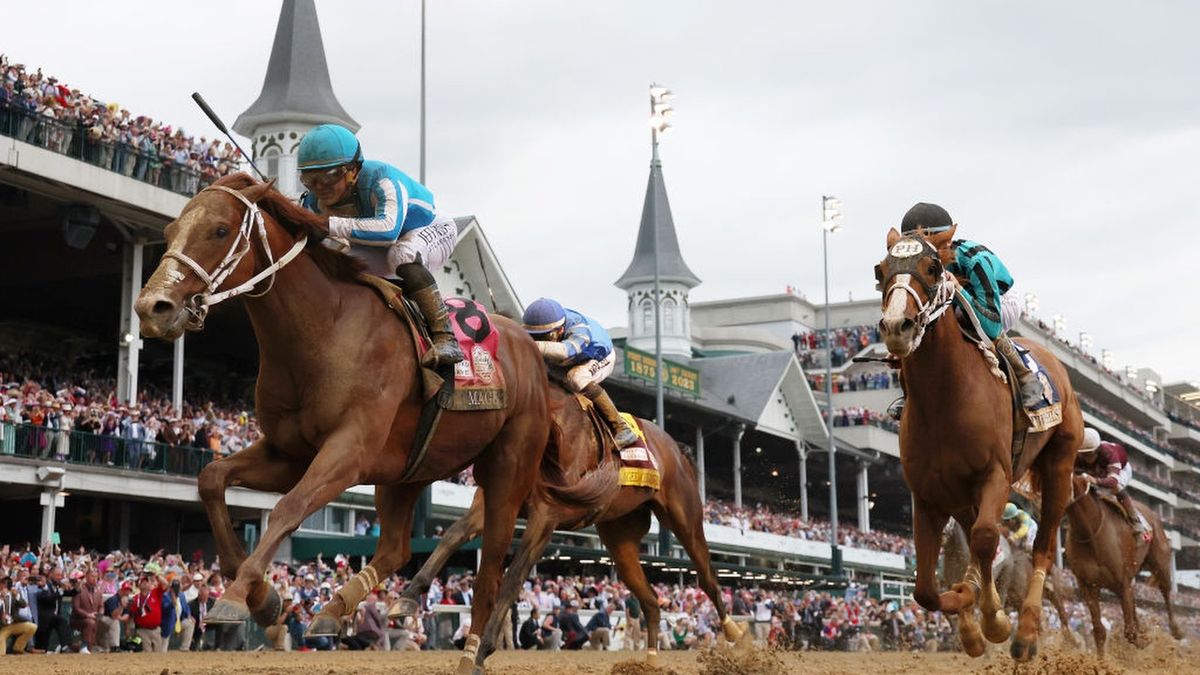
1103, 514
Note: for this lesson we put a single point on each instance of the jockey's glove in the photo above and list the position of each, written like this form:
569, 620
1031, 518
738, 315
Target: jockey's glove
553, 352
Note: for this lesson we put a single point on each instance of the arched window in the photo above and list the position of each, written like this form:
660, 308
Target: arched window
668, 310
271, 154
647, 316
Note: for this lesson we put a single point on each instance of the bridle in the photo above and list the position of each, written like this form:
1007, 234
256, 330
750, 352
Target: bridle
902, 261
1074, 500
198, 305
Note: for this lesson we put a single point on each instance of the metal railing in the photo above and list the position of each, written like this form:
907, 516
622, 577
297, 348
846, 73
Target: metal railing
78, 447
74, 140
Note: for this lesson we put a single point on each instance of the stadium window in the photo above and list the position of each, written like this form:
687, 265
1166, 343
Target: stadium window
647, 316
668, 310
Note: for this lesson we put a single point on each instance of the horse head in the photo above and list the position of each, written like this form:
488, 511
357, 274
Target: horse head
211, 256
916, 287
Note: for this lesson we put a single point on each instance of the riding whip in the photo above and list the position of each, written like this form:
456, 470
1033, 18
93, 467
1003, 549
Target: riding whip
221, 125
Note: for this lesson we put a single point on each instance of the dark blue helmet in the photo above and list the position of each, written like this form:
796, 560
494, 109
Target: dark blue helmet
543, 315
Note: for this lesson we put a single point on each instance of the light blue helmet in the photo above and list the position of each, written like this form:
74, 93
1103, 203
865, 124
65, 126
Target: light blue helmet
543, 315
1010, 511
327, 146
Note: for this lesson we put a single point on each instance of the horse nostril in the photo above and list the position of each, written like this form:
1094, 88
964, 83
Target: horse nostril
164, 307
907, 324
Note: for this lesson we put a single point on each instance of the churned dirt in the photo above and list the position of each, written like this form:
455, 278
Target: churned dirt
1160, 655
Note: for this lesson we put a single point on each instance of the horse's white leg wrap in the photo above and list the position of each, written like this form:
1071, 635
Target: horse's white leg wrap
358, 587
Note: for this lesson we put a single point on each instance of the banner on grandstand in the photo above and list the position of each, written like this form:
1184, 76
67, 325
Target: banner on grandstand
676, 376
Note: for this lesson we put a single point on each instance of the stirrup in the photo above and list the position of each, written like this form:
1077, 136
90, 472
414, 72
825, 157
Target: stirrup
625, 437
896, 408
444, 351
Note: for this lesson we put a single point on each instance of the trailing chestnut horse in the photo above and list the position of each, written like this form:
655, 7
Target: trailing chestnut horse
338, 395
1103, 552
956, 438
576, 446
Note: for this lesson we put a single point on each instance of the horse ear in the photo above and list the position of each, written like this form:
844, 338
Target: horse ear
942, 239
258, 190
892, 237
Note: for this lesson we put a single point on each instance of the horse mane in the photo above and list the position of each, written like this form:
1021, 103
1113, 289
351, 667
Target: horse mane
298, 220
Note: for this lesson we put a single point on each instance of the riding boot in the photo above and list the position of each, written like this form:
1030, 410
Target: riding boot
623, 434
1130, 512
420, 286
1029, 386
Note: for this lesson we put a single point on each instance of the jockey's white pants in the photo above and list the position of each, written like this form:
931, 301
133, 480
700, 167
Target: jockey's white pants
434, 243
588, 372
1010, 310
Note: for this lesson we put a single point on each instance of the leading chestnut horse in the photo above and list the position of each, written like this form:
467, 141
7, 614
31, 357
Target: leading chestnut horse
1103, 552
338, 396
956, 438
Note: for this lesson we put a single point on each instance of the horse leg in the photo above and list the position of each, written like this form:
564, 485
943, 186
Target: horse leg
678, 513
621, 536
1091, 597
985, 537
539, 527
506, 473
1159, 563
331, 473
1129, 614
960, 599
463, 530
1054, 586
257, 467
1055, 465
394, 508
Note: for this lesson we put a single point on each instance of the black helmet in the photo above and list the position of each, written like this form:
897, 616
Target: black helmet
929, 217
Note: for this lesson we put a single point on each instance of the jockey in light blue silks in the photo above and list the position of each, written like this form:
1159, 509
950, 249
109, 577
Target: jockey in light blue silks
389, 221
986, 282
578, 344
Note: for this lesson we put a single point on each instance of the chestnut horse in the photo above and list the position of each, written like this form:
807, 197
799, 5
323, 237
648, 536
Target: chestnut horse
338, 396
956, 438
1104, 553
622, 522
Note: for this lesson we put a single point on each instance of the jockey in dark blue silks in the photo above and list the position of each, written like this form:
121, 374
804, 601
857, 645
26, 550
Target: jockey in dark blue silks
986, 282
387, 219
579, 345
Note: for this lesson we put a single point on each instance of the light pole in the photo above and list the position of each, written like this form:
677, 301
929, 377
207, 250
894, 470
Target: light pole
831, 221
659, 110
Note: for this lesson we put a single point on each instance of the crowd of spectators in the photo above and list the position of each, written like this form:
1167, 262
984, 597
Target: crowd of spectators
810, 346
44, 407
1126, 425
40, 109
761, 518
858, 416
861, 381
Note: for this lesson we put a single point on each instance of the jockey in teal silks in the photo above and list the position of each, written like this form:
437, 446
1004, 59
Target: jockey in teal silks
388, 220
986, 282
578, 344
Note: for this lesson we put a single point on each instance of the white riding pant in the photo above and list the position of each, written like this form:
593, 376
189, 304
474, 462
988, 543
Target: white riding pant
1010, 310
434, 243
1124, 477
588, 372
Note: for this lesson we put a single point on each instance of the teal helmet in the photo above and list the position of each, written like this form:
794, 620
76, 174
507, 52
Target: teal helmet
1010, 511
327, 146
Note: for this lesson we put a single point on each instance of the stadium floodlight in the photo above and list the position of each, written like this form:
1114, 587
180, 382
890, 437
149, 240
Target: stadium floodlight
1151, 387
1060, 323
1131, 372
1085, 341
1031, 303
831, 213
831, 221
1106, 358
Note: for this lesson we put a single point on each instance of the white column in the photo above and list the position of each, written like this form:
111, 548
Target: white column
50, 501
803, 452
864, 496
737, 465
700, 462
127, 359
177, 377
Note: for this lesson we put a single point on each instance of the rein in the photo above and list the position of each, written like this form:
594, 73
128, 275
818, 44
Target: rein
1087, 490
252, 222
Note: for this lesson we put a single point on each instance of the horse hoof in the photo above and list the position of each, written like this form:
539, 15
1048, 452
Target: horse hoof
971, 639
466, 666
403, 607
1023, 652
268, 612
998, 628
227, 611
323, 625
652, 659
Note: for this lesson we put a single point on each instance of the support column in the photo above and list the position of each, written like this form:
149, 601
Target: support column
125, 526
737, 465
50, 503
803, 452
700, 462
177, 377
129, 338
864, 496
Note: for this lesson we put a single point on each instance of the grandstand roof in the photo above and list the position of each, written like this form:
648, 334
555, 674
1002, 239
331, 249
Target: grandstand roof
297, 86
656, 217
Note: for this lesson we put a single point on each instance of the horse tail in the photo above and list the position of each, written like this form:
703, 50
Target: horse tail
594, 489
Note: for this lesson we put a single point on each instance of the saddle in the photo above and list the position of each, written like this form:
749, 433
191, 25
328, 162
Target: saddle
1114, 503
639, 466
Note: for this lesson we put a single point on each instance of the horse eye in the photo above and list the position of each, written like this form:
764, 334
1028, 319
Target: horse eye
222, 232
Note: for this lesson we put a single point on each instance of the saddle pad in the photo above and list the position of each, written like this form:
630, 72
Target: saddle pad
639, 468
478, 380
1048, 413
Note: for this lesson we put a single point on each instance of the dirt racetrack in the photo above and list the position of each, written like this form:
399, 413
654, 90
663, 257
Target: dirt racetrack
1163, 655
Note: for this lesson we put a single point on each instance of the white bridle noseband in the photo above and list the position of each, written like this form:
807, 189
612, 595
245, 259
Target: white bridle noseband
929, 311
199, 304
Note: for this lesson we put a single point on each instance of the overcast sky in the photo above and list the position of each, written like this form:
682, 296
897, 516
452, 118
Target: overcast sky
1065, 136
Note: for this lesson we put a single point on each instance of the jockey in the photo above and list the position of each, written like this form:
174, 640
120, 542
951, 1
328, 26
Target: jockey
986, 282
1106, 466
1022, 528
373, 204
570, 340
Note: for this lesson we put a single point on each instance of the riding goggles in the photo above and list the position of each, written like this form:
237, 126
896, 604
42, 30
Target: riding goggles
314, 178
